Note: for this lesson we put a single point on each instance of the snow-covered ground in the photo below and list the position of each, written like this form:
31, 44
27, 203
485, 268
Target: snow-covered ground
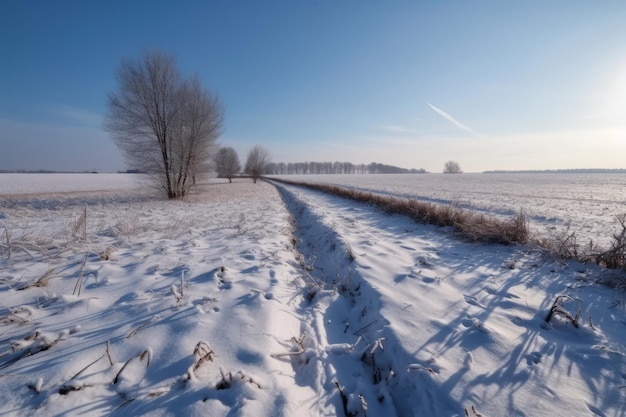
556, 203
64, 183
206, 307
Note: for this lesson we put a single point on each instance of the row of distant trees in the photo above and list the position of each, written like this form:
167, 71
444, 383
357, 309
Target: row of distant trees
304, 168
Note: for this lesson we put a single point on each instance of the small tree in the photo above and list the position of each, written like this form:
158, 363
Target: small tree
258, 162
452, 167
227, 163
164, 125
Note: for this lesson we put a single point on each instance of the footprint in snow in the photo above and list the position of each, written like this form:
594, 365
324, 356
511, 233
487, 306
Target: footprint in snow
225, 284
489, 290
471, 323
533, 358
518, 321
423, 262
431, 366
471, 300
467, 321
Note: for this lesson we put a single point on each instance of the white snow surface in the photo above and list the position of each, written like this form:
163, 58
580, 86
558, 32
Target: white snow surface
271, 300
60, 183
557, 204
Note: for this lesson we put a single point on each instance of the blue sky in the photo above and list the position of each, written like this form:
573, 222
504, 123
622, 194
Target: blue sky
490, 84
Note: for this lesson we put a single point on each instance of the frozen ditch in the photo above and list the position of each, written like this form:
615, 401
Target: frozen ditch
361, 357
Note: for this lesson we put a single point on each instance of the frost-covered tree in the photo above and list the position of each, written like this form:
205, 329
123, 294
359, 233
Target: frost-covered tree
227, 163
452, 167
164, 125
258, 162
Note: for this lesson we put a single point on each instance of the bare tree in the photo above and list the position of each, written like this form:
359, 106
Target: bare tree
452, 167
227, 163
164, 125
258, 162
198, 126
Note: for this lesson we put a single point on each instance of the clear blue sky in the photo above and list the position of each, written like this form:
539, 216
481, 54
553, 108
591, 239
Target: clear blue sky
493, 85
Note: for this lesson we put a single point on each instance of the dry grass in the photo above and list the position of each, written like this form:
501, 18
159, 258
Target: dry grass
477, 227
41, 282
37, 342
567, 247
79, 281
468, 225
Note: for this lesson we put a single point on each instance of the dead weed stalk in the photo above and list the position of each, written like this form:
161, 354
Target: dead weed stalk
145, 355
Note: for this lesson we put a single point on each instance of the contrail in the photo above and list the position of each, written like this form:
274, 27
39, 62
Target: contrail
451, 119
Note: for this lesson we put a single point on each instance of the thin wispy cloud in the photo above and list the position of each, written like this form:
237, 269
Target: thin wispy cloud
451, 119
79, 115
399, 129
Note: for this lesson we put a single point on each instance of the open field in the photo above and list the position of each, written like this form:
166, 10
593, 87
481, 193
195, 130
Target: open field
583, 203
254, 299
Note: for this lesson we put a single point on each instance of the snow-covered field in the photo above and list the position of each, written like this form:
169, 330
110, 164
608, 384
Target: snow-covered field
262, 300
556, 203
65, 183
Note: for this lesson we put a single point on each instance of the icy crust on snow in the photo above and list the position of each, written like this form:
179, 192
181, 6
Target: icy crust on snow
203, 307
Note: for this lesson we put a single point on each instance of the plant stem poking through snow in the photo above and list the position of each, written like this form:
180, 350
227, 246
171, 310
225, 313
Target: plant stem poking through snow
77, 374
368, 358
228, 379
108, 352
177, 294
298, 342
79, 280
203, 353
474, 413
558, 308
145, 355
37, 386
345, 401
182, 280
7, 237
40, 344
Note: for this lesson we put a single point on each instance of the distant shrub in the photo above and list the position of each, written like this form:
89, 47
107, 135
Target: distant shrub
567, 246
615, 256
452, 167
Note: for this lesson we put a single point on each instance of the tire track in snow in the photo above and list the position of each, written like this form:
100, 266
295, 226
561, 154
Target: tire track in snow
363, 365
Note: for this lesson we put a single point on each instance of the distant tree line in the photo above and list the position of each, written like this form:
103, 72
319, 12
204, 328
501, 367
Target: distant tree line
306, 168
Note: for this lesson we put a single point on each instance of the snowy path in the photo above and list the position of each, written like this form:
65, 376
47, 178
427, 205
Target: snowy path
441, 326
